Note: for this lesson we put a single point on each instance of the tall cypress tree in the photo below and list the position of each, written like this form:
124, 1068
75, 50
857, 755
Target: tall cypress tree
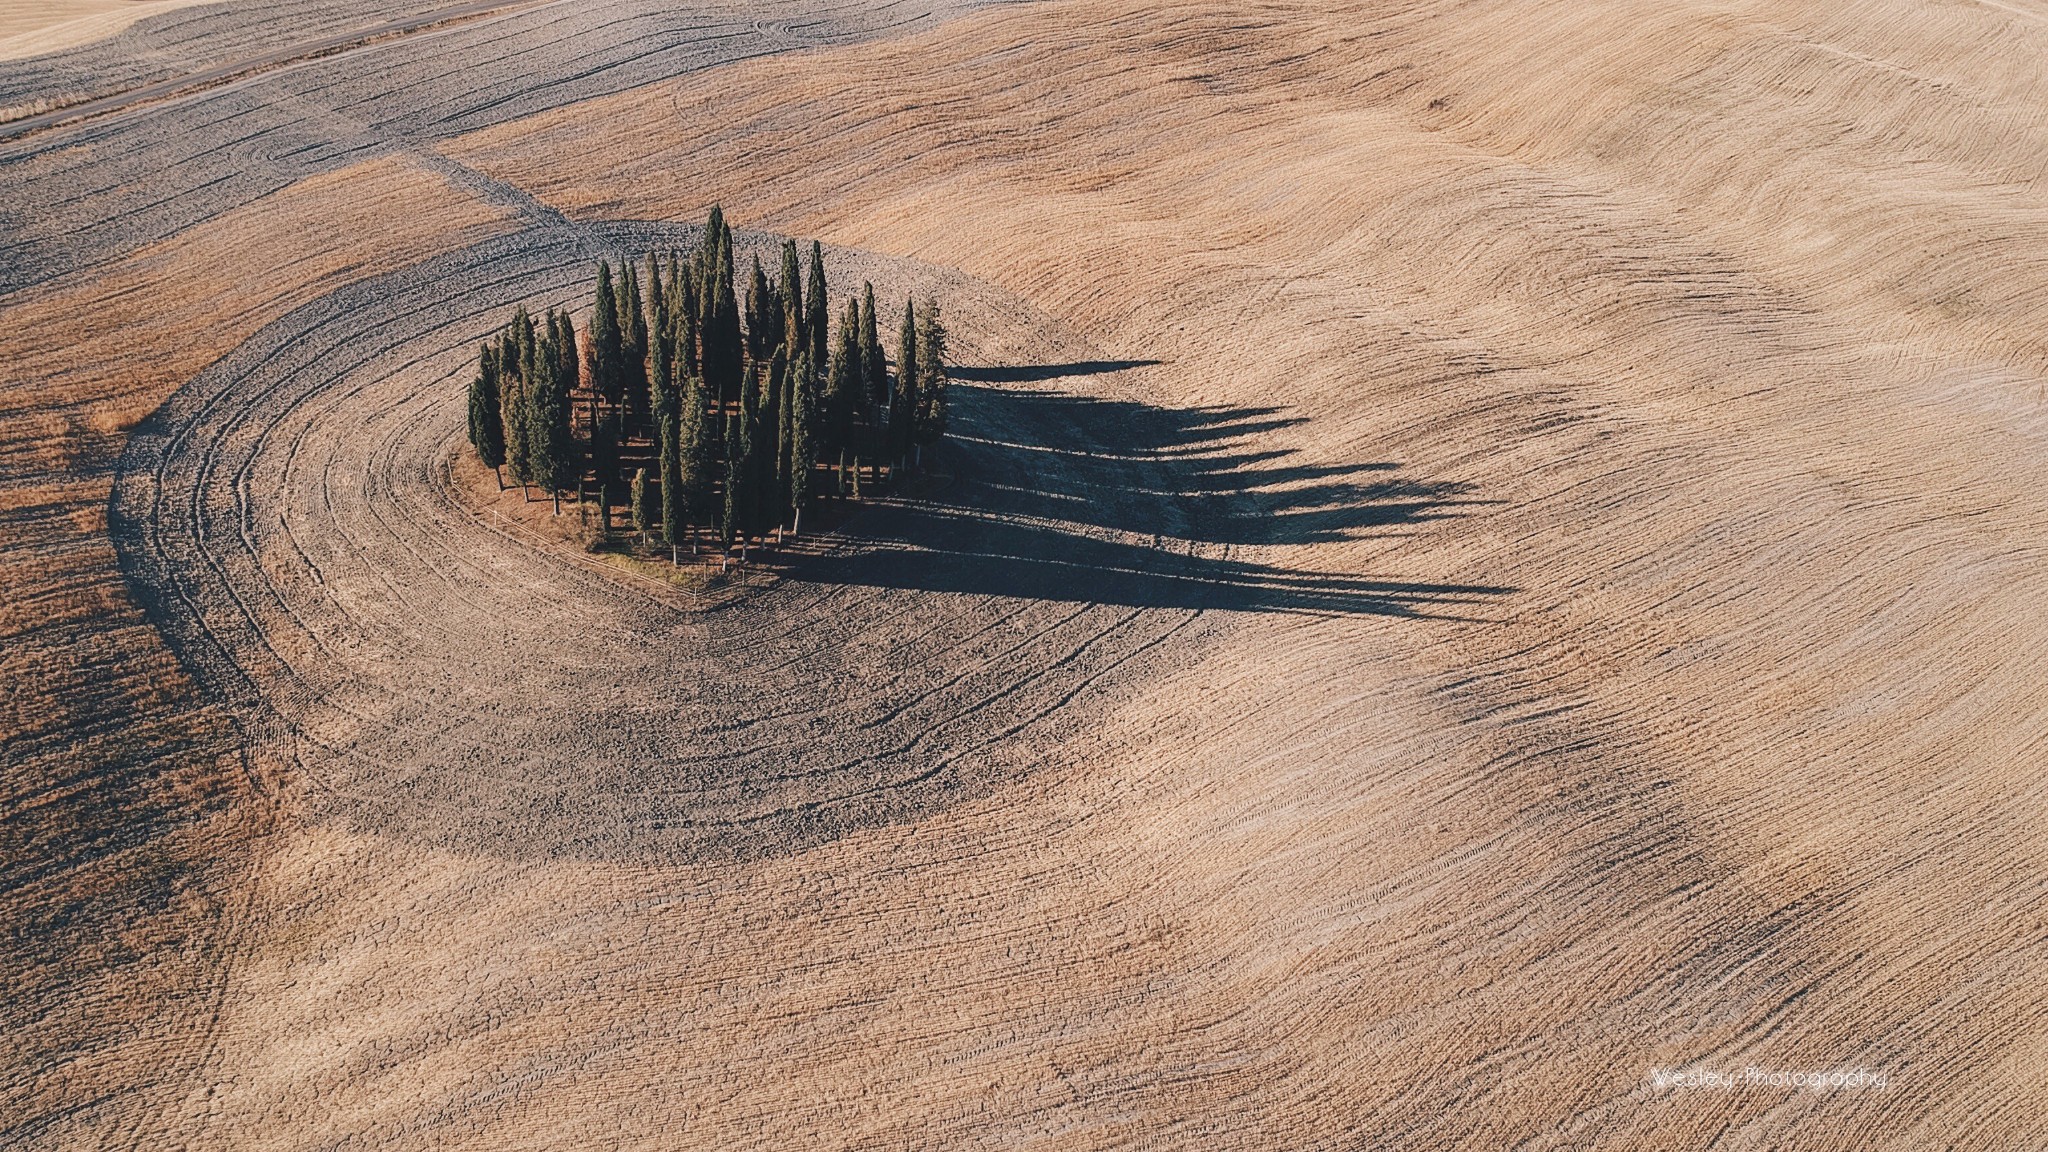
562, 440
803, 450
555, 369
735, 480
707, 247
790, 284
694, 463
685, 323
670, 450
903, 404
486, 420
931, 377
661, 384
843, 386
761, 306
657, 302
771, 478
874, 363
723, 351
815, 309
633, 347
531, 385
607, 338
512, 399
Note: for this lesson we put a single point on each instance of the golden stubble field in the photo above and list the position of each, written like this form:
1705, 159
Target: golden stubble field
1710, 339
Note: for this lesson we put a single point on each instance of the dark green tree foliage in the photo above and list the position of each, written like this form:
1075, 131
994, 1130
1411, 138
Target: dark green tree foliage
661, 386
724, 354
694, 461
633, 349
514, 381
770, 481
683, 320
789, 283
750, 409
669, 448
657, 302
815, 308
707, 247
607, 339
486, 419
551, 454
735, 480
803, 450
931, 376
762, 311
903, 401
843, 385
874, 363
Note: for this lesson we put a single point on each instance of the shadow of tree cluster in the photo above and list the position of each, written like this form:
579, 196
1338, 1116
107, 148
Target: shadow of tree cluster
1065, 497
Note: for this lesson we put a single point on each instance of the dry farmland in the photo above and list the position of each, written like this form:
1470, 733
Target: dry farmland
1487, 553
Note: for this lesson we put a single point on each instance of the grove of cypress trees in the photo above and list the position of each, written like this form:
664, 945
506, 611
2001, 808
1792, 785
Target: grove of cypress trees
486, 419
816, 309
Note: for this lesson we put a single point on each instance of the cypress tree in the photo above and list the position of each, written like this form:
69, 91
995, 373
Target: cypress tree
633, 347
512, 400
735, 474
486, 420
790, 284
843, 387
803, 445
554, 368
931, 377
657, 300
685, 324
723, 351
642, 521
693, 448
671, 479
903, 403
570, 363
874, 364
760, 306
815, 308
707, 247
771, 480
607, 338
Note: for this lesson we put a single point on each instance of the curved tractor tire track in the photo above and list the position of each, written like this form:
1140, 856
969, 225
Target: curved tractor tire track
289, 521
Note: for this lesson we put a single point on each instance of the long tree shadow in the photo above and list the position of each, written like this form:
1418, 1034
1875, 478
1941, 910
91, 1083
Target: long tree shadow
1058, 496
